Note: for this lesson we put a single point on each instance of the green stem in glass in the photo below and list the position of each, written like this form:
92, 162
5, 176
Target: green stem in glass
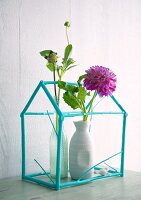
54, 78
58, 102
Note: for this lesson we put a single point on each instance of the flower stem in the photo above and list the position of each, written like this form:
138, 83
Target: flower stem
55, 90
85, 117
84, 111
94, 95
58, 102
67, 34
90, 107
57, 96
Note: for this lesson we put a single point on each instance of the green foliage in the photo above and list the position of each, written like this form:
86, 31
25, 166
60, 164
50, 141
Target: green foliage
51, 66
67, 61
70, 95
82, 93
46, 53
74, 96
67, 52
80, 79
71, 67
70, 61
51, 57
62, 85
70, 88
71, 100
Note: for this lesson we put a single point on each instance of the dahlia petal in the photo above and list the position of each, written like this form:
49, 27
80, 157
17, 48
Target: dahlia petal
101, 79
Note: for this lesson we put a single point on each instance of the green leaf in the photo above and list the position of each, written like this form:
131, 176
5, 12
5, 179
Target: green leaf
45, 53
70, 61
72, 88
71, 100
80, 79
62, 85
67, 52
51, 66
82, 94
71, 67
88, 93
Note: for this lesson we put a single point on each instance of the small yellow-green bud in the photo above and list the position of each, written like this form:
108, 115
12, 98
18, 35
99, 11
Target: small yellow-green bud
67, 24
52, 58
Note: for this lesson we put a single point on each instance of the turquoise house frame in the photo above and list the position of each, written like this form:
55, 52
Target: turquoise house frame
57, 184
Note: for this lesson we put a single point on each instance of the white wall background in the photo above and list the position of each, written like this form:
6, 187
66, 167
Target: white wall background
103, 32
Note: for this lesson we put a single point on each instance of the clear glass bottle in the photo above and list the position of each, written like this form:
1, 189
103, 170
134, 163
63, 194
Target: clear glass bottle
53, 155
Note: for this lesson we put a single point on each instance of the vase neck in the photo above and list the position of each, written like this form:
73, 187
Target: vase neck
81, 126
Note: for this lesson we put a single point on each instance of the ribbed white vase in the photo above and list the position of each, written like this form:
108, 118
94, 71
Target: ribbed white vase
81, 151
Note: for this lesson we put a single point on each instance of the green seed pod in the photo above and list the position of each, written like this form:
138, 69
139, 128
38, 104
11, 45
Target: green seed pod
67, 24
52, 58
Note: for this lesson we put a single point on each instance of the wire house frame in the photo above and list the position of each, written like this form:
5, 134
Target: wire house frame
57, 184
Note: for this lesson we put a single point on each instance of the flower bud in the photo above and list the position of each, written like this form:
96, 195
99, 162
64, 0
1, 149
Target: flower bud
52, 58
67, 24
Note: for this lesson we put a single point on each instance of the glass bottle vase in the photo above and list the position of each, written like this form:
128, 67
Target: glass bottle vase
53, 154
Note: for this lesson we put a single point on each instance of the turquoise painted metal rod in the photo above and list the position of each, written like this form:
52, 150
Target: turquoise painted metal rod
44, 183
123, 145
56, 82
57, 185
50, 82
68, 114
75, 183
52, 124
31, 98
105, 113
47, 174
23, 128
72, 83
23, 146
73, 114
110, 167
84, 174
109, 171
58, 163
36, 174
121, 108
51, 99
39, 113
95, 104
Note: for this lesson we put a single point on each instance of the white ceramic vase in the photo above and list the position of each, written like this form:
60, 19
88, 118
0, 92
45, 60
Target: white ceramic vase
81, 151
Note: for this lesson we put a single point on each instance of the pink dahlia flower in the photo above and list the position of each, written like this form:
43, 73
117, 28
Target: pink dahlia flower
101, 79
